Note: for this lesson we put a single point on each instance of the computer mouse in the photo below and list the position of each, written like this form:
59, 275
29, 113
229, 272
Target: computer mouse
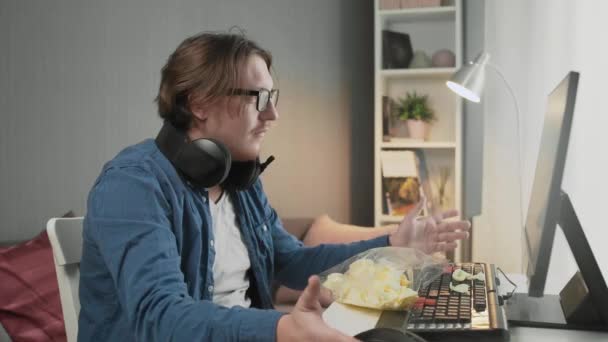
388, 335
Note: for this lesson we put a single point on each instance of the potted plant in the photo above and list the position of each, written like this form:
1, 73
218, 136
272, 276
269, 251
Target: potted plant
415, 110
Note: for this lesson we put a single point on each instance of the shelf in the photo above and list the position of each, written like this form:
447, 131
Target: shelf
390, 219
418, 73
409, 143
418, 14
430, 29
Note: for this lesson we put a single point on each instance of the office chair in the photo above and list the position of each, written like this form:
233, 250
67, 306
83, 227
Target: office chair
65, 235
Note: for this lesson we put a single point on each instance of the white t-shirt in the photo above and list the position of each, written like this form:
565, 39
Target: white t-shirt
231, 258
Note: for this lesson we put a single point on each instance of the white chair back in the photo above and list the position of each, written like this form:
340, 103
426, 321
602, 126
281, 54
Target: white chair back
65, 235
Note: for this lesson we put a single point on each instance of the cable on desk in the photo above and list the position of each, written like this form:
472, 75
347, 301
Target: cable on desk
507, 296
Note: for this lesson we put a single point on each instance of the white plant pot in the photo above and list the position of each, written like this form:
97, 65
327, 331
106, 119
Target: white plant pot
418, 129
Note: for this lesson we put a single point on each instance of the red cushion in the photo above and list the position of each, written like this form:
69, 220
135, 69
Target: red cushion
30, 308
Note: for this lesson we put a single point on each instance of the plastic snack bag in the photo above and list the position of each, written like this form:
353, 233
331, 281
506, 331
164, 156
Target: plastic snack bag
386, 278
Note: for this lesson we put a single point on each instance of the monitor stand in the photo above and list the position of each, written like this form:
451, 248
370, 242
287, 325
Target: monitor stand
543, 312
582, 304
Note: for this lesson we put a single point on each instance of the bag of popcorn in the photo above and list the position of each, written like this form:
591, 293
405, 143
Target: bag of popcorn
386, 278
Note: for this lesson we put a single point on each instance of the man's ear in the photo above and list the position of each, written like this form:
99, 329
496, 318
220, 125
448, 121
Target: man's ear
199, 111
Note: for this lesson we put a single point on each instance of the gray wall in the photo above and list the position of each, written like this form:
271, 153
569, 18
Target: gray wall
78, 79
473, 123
474, 16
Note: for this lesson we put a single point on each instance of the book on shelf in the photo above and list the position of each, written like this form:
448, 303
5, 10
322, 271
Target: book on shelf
390, 4
405, 181
413, 141
432, 205
387, 111
400, 182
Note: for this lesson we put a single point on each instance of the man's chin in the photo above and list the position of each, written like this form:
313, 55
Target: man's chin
245, 155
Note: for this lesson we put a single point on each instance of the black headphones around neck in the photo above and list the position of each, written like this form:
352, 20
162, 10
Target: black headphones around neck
207, 162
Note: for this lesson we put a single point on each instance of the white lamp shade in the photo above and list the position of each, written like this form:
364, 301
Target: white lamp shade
468, 81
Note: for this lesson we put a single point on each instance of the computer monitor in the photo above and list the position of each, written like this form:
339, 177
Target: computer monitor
584, 301
543, 210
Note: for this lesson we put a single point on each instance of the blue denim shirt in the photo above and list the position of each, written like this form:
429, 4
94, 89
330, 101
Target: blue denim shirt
147, 257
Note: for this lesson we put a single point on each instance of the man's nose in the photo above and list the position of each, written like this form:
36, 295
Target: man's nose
270, 113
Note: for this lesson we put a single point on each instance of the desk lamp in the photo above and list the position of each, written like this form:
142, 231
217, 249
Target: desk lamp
468, 82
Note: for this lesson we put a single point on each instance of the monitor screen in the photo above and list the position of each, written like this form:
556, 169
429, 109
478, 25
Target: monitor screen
543, 210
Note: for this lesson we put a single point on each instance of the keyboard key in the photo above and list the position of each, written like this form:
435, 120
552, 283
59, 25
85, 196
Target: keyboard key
439, 308
430, 301
479, 307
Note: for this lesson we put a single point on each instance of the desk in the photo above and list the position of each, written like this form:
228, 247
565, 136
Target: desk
353, 321
520, 334
357, 321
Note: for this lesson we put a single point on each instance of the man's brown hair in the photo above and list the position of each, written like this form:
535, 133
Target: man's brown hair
203, 68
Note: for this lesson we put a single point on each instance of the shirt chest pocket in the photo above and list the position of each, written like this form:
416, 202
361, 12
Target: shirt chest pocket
263, 236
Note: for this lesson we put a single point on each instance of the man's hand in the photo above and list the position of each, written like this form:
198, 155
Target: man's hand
305, 323
429, 234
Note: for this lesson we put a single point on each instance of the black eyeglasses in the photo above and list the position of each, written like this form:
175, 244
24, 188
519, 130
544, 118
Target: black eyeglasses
264, 96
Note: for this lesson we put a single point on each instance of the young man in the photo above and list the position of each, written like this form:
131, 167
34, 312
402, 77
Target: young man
167, 259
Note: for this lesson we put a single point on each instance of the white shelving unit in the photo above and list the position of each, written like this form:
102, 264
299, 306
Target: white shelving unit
416, 14
442, 73
430, 29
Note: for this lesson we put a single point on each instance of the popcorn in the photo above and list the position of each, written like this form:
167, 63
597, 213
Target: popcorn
461, 288
372, 285
334, 282
362, 268
460, 275
479, 276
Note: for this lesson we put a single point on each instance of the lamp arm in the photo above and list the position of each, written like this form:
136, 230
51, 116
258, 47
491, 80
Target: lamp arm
519, 154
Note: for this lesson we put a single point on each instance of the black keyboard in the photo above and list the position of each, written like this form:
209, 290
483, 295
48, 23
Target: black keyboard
446, 315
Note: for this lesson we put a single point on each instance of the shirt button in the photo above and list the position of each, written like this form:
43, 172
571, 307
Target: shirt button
264, 228
212, 243
210, 288
204, 199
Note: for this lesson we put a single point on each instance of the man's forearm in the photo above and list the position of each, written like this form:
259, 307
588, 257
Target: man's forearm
307, 261
326, 230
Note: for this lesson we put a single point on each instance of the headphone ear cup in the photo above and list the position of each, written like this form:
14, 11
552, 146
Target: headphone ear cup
206, 162
203, 162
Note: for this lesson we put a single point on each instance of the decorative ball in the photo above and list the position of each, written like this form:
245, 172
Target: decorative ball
444, 59
420, 60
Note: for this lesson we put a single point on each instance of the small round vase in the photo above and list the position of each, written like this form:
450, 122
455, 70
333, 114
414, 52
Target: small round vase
420, 60
418, 129
444, 59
